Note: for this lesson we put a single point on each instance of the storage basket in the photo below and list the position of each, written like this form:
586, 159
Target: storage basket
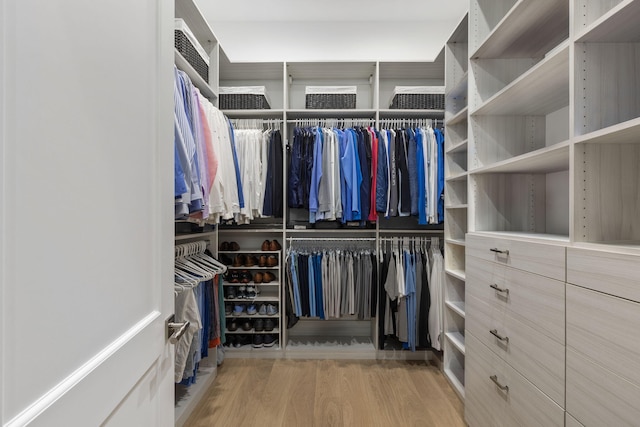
334, 97
244, 98
418, 98
188, 46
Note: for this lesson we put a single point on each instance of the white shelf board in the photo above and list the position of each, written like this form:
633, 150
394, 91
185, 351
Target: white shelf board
545, 160
189, 11
457, 339
457, 177
458, 242
265, 113
458, 274
460, 88
196, 79
540, 90
455, 382
187, 398
249, 251
331, 70
339, 113
528, 236
257, 267
528, 30
620, 24
459, 147
252, 300
460, 34
243, 229
457, 307
194, 235
461, 206
390, 113
252, 331
458, 117
625, 132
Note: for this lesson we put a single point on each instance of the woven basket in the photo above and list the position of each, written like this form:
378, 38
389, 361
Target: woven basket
195, 55
330, 97
423, 98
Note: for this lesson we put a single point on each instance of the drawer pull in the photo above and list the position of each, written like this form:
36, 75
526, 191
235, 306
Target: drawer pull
494, 378
494, 332
498, 251
503, 290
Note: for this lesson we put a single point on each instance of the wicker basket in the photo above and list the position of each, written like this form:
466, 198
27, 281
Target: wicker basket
330, 97
244, 98
190, 49
418, 98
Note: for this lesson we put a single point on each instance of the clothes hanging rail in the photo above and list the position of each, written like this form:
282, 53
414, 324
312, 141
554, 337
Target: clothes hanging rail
410, 122
332, 239
334, 122
256, 123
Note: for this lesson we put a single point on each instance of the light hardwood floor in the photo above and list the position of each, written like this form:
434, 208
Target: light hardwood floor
318, 393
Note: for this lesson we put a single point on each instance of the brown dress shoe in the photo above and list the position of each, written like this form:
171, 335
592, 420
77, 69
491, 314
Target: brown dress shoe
272, 261
268, 277
233, 246
274, 246
265, 245
224, 246
245, 276
238, 261
263, 261
251, 261
257, 278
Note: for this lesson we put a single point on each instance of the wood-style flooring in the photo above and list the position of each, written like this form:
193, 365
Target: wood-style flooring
318, 393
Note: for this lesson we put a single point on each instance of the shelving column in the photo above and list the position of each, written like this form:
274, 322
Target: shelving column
456, 76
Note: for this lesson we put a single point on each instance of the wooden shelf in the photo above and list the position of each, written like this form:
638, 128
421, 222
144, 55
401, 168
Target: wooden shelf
455, 382
532, 237
189, 11
341, 113
464, 206
458, 177
460, 88
622, 133
196, 79
456, 307
459, 116
208, 234
459, 147
620, 24
457, 339
262, 114
410, 114
541, 90
458, 242
458, 274
528, 30
546, 160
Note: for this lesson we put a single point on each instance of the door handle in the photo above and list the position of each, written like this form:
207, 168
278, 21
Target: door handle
175, 330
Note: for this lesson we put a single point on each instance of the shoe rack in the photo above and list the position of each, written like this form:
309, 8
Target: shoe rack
252, 292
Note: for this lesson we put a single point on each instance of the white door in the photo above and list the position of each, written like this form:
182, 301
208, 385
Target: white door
86, 132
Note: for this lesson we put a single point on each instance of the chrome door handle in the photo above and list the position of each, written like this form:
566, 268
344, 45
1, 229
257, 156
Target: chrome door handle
494, 332
494, 378
175, 330
498, 251
503, 290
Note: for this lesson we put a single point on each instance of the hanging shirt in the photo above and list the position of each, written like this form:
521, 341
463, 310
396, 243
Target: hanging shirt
316, 176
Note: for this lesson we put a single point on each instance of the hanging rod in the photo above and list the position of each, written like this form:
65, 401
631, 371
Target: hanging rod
332, 239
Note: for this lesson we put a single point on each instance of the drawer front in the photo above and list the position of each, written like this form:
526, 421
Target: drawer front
537, 357
606, 329
543, 259
612, 273
598, 397
522, 404
534, 300
572, 422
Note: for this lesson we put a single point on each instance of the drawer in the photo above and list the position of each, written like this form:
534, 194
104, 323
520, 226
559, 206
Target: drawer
534, 300
534, 355
486, 404
609, 272
606, 329
544, 259
597, 396
571, 422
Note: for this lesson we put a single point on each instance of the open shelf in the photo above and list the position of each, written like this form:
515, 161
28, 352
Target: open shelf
458, 117
459, 147
458, 274
329, 113
533, 237
457, 339
460, 88
619, 24
456, 206
262, 114
542, 89
205, 235
275, 331
410, 114
625, 132
544, 160
529, 29
196, 79
456, 307
457, 177
458, 242
190, 12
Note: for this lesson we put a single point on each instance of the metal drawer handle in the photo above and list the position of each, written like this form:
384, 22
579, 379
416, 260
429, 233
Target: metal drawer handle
494, 332
504, 290
177, 330
494, 378
498, 251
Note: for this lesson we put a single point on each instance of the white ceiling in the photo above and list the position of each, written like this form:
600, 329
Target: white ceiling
332, 30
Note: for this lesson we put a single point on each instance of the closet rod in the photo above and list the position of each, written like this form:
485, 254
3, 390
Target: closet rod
332, 239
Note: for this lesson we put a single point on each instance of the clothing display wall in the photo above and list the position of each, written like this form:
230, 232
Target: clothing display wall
222, 174
358, 173
411, 277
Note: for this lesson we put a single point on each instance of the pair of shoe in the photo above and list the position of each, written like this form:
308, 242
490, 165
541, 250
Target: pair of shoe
267, 340
266, 277
267, 310
237, 340
244, 261
272, 245
235, 276
240, 309
244, 324
241, 292
229, 246
261, 325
